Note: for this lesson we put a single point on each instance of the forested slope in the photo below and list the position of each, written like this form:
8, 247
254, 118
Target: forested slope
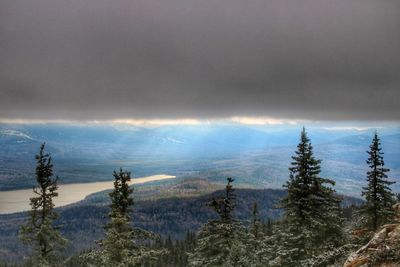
82, 223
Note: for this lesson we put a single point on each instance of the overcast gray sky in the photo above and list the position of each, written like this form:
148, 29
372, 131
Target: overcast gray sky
102, 59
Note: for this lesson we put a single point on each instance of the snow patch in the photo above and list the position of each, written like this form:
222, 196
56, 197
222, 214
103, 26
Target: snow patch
15, 133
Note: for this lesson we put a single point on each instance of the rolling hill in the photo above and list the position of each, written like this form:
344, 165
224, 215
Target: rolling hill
255, 156
169, 210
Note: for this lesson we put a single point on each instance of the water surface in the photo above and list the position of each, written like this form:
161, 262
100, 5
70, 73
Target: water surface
18, 200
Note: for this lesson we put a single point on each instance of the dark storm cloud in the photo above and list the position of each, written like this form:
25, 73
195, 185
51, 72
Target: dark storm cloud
100, 59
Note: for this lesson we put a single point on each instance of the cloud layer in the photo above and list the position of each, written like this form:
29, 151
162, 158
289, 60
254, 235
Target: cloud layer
102, 60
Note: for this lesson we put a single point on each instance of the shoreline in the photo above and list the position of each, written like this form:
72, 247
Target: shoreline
18, 200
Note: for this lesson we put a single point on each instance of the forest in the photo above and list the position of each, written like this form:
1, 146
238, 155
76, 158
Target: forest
309, 225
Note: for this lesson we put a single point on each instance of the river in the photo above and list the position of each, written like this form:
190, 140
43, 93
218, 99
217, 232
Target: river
18, 200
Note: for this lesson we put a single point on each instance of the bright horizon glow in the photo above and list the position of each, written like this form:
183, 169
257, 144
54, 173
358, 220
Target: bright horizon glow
163, 122
263, 121
243, 120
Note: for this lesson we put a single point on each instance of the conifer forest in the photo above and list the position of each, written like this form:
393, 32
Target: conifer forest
315, 227
199, 133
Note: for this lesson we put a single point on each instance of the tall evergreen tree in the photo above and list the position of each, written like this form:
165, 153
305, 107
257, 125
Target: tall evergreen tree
220, 240
312, 219
122, 245
378, 194
256, 225
257, 249
40, 232
118, 241
177, 252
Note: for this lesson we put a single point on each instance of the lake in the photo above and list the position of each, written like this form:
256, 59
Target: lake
18, 200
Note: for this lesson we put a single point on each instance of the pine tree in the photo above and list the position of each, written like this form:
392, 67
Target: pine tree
378, 194
177, 252
312, 220
122, 245
220, 241
40, 232
256, 226
257, 250
267, 227
118, 242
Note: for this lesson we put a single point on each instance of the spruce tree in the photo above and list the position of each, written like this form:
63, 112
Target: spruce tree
312, 220
267, 227
256, 225
40, 232
220, 241
123, 244
257, 253
378, 194
177, 252
118, 241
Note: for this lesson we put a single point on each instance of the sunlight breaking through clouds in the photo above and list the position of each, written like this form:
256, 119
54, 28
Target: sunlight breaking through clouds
241, 120
263, 121
164, 122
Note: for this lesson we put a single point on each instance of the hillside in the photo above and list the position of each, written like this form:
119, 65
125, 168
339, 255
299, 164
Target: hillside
383, 250
82, 223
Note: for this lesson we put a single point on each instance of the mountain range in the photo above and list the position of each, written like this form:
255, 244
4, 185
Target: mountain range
256, 156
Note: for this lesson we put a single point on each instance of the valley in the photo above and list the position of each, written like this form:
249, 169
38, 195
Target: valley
197, 161
169, 208
256, 157
18, 200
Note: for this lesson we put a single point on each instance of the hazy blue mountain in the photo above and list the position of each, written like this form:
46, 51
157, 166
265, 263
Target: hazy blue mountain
256, 156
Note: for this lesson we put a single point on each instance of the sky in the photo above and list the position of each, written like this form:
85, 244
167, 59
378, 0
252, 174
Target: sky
189, 60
